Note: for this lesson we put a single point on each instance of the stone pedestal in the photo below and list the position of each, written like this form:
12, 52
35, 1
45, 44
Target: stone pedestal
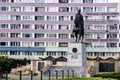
77, 58
76, 54
76, 62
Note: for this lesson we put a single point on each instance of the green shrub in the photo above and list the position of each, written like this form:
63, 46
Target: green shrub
35, 74
109, 75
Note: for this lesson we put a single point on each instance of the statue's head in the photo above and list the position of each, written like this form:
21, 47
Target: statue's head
79, 10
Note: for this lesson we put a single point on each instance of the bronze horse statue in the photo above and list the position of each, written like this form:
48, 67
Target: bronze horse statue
78, 30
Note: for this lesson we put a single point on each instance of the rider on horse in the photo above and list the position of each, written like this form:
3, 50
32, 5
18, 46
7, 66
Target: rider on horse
79, 26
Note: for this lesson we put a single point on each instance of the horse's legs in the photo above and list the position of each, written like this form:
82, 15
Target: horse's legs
76, 36
82, 34
79, 36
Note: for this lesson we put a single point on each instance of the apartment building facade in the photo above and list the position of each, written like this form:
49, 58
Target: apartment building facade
41, 28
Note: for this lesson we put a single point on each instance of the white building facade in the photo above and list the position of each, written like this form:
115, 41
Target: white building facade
39, 28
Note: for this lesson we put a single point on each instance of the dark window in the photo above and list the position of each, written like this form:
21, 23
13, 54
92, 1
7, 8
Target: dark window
63, 1
87, 1
106, 67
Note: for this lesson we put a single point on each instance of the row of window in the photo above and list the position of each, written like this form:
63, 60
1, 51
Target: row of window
39, 53
36, 53
57, 18
58, 9
35, 26
36, 44
62, 36
102, 54
100, 36
55, 1
36, 35
102, 27
40, 26
102, 45
58, 44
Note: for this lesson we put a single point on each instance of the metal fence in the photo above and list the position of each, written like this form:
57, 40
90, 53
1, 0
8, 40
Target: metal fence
41, 75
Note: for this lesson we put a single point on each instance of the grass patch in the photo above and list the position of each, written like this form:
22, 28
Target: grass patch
98, 78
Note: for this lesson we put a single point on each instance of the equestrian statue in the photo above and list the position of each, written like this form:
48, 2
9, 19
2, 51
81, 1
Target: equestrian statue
78, 30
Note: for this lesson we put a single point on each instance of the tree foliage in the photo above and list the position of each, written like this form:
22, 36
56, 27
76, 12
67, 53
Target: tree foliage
5, 64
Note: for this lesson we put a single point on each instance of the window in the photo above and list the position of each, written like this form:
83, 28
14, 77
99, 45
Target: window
3, 43
27, 1
63, 26
51, 35
74, 9
111, 36
112, 9
27, 44
87, 9
14, 43
88, 27
63, 1
27, 35
52, 18
63, 44
88, 44
3, 25
62, 53
111, 44
27, 18
99, 9
14, 35
50, 1
15, 26
100, 1
52, 9
4, 0
99, 44
50, 44
3, 34
51, 53
14, 52
40, 53
90, 18
16, 9
99, 36
63, 18
3, 52
87, 1
39, 44
75, 1
15, 1
28, 9
99, 27
64, 9
51, 27
39, 35
39, 17
4, 17
4, 8
63, 36
39, 9
112, 27
40, 1
112, 18
27, 26
15, 17
88, 36
39, 26
99, 18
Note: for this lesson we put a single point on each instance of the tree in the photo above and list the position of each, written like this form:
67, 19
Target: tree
5, 64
